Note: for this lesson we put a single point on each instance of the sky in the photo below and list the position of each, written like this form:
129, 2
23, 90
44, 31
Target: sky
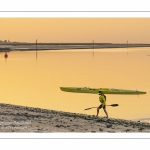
102, 30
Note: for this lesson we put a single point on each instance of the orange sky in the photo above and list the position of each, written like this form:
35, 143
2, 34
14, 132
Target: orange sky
113, 30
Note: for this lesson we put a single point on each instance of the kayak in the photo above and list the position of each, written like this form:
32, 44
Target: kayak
102, 90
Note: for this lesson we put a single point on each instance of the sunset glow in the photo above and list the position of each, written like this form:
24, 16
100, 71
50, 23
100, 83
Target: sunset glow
109, 30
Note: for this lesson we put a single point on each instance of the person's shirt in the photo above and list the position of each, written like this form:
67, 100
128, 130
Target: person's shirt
102, 99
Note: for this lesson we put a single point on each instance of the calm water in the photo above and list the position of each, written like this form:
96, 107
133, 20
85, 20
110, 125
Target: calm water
27, 81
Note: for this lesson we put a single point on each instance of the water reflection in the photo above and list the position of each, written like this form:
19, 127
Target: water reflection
29, 83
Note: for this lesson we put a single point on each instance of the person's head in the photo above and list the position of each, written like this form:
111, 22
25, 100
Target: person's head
100, 93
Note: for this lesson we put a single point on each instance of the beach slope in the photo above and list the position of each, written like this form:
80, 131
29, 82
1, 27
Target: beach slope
14, 118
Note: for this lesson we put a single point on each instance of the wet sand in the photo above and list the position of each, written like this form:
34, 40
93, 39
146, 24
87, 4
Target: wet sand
14, 118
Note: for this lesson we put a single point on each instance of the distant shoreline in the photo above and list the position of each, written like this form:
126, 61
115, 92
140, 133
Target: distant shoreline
64, 46
85, 43
15, 118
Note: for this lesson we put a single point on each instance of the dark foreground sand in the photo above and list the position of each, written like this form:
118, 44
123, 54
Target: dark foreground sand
14, 118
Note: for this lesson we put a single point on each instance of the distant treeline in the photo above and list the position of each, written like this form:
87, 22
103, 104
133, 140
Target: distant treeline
110, 44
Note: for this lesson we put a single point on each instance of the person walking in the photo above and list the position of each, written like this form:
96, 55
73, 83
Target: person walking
102, 99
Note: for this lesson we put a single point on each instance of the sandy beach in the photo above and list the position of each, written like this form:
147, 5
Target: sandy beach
14, 118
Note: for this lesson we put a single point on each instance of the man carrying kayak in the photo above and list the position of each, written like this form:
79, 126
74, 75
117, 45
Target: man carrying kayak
102, 99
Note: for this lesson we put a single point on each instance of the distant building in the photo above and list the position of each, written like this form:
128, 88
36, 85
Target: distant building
1, 41
5, 41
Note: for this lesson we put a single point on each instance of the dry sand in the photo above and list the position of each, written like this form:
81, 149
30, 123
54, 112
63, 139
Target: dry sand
14, 118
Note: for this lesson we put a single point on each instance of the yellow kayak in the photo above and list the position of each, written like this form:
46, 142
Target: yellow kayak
103, 90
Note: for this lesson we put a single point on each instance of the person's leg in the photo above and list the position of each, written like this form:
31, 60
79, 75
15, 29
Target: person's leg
98, 109
104, 108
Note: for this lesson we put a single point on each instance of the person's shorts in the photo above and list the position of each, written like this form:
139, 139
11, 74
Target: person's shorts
102, 106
